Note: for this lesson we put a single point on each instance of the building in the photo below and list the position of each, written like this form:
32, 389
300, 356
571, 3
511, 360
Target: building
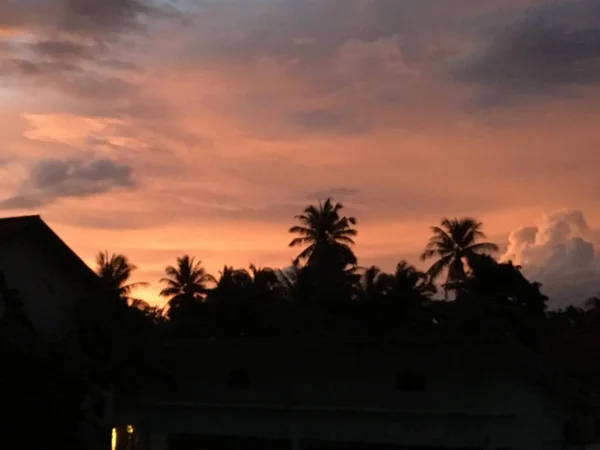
52, 286
314, 395
49, 277
416, 393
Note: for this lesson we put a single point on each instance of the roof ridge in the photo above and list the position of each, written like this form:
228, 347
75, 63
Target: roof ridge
23, 217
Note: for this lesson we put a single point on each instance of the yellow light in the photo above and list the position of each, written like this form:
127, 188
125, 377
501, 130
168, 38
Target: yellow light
130, 429
113, 439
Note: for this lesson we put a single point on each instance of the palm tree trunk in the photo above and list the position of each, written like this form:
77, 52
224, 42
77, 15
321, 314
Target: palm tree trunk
446, 286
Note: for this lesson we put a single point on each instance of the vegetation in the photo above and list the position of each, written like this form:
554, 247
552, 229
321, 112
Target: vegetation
328, 236
324, 293
186, 285
454, 243
115, 271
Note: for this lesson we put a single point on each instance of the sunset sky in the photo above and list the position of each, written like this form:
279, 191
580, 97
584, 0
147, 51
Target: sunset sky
203, 126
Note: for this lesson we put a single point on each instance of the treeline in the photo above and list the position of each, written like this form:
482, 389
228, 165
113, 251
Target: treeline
114, 340
326, 292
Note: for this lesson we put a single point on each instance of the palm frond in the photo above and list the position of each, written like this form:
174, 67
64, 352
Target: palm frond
345, 240
439, 266
304, 231
430, 253
300, 241
482, 247
168, 292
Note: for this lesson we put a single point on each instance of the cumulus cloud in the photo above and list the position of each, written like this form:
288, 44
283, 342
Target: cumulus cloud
547, 49
558, 252
51, 179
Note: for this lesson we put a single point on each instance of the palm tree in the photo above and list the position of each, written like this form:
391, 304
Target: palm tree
293, 282
408, 283
231, 286
186, 283
264, 279
232, 301
328, 235
374, 284
453, 242
115, 270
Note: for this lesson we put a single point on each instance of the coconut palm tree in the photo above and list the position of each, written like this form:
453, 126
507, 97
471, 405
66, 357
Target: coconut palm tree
453, 243
186, 283
408, 283
115, 270
327, 235
264, 279
231, 279
294, 281
374, 284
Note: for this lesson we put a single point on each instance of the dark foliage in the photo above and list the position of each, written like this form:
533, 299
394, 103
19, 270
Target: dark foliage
455, 242
323, 294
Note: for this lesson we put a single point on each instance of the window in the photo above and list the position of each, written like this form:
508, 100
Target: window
238, 379
124, 438
410, 381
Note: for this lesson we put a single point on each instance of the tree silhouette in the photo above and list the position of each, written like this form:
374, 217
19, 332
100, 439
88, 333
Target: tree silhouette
374, 284
231, 283
265, 282
115, 270
231, 301
499, 299
410, 284
394, 299
250, 302
270, 301
186, 284
327, 235
453, 242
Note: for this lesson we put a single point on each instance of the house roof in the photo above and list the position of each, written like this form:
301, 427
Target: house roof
37, 232
11, 225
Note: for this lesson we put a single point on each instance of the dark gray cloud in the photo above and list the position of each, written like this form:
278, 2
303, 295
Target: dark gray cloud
97, 88
308, 29
359, 53
52, 179
75, 46
32, 70
62, 57
87, 92
82, 17
66, 50
92, 16
547, 50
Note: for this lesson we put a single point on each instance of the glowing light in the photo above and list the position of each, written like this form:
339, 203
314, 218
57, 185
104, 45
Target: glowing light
130, 429
113, 439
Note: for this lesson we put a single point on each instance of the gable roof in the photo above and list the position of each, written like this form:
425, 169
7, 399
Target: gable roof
11, 225
37, 232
